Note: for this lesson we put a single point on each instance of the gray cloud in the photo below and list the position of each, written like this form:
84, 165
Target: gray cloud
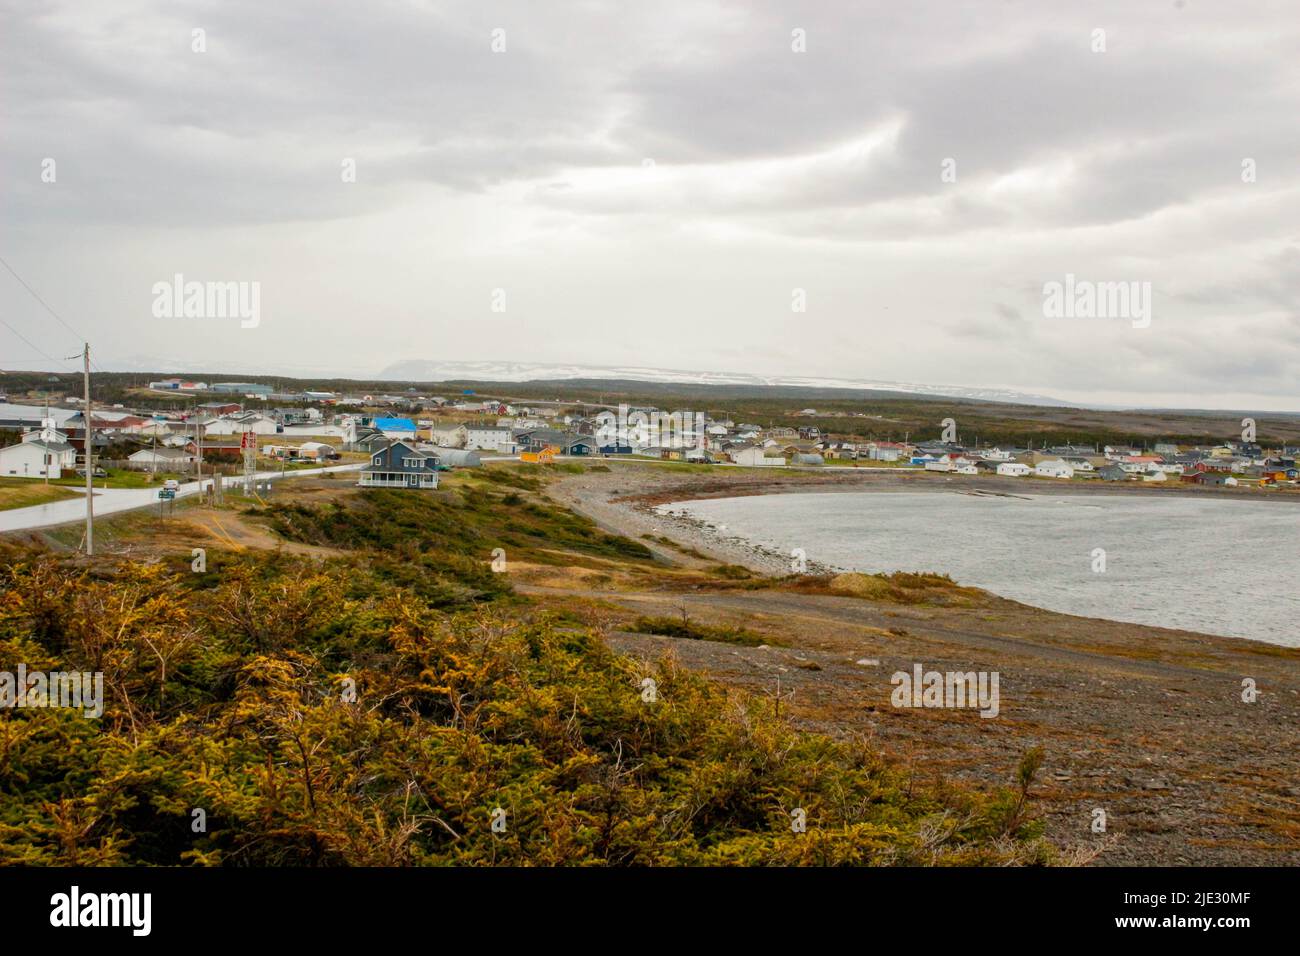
771, 170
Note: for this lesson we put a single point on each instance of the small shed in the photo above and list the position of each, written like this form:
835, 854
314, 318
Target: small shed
316, 450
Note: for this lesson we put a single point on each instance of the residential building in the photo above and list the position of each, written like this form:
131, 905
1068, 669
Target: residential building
449, 435
162, 457
1054, 469
400, 465
42, 455
490, 438
401, 429
757, 456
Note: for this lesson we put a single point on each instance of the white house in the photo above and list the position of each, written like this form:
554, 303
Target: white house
238, 424
1013, 469
163, 456
448, 436
37, 457
160, 429
490, 438
1054, 469
756, 456
884, 451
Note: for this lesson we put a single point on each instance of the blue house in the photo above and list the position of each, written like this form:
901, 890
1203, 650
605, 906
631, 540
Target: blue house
400, 466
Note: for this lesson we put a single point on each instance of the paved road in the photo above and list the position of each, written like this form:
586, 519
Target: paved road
115, 500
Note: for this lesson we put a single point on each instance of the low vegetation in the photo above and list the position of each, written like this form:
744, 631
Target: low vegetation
693, 630
901, 587
462, 522
384, 707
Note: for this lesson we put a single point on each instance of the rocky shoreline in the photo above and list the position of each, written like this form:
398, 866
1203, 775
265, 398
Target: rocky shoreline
630, 500
1148, 724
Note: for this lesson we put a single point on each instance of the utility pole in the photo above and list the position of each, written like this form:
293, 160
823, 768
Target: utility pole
89, 456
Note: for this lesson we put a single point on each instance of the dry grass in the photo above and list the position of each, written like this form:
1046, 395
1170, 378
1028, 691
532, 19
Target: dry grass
904, 588
25, 492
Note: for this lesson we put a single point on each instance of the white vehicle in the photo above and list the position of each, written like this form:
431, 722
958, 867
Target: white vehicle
171, 484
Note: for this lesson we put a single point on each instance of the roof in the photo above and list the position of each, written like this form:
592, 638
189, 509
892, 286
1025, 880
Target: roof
550, 435
164, 452
395, 424
54, 446
427, 458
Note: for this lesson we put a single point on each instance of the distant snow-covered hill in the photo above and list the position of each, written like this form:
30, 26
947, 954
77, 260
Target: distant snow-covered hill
419, 370
416, 370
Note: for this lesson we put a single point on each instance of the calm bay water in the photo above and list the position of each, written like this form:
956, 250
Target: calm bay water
1199, 563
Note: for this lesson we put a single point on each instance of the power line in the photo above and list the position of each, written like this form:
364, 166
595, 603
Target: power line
32, 345
46, 306
35, 295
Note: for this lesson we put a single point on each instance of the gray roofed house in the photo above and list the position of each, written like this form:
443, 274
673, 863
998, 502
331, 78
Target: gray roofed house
370, 442
37, 457
538, 438
163, 455
400, 465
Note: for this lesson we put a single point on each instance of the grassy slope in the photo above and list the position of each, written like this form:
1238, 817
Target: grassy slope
25, 492
227, 692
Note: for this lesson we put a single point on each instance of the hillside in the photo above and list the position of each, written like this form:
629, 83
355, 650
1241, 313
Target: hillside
384, 702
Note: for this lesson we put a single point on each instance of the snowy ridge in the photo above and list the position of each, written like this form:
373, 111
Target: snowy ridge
432, 371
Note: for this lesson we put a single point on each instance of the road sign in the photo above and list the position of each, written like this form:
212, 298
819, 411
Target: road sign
166, 494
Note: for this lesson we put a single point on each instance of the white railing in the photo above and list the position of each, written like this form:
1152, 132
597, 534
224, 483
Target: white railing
402, 481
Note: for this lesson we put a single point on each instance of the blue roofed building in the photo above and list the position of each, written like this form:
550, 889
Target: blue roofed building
398, 428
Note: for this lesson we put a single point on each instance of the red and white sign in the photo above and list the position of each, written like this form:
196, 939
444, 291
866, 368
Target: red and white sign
248, 440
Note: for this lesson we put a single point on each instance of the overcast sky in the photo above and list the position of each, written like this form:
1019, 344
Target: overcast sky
650, 182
